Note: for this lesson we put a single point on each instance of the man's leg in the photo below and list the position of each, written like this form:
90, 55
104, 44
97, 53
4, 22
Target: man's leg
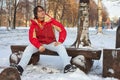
60, 49
26, 56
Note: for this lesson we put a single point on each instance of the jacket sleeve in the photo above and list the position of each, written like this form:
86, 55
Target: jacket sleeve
61, 29
32, 36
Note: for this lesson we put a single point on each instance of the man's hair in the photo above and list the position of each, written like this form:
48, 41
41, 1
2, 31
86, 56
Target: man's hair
36, 10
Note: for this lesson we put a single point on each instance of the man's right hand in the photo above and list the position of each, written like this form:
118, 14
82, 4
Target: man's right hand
41, 48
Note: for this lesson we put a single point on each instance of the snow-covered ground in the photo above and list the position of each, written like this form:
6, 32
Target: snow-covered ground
48, 67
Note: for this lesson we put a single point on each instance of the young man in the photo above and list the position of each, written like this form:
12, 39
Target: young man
41, 36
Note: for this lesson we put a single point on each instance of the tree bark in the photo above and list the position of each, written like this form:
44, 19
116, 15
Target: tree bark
83, 25
14, 19
1, 12
15, 11
99, 16
27, 12
55, 10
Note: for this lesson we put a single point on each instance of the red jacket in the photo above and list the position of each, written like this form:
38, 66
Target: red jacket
43, 32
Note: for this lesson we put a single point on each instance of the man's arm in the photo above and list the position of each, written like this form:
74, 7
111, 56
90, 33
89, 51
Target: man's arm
32, 36
61, 29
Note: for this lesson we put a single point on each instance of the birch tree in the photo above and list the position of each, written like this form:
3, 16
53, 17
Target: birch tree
83, 25
99, 16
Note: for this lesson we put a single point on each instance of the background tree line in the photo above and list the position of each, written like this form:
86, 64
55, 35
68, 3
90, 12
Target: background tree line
18, 12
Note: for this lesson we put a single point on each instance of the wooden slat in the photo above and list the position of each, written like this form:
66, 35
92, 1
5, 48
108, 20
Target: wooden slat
92, 54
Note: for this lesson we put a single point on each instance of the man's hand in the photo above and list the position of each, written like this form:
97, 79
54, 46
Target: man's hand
41, 48
57, 43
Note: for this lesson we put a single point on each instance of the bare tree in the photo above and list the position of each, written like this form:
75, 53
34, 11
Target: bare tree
99, 16
83, 24
14, 14
53, 6
1, 9
65, 11
93, 13
39, 2
9, 12
35, 3
27, 12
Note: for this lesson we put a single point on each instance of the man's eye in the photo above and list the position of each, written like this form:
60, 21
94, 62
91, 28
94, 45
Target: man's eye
40, 11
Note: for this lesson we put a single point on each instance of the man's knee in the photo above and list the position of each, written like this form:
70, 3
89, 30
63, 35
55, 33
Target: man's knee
31, 49
61, 47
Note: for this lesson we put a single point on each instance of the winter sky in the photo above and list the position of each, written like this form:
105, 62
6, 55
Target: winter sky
112, 8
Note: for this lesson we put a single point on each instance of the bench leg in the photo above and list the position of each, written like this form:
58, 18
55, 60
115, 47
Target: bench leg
82, 63
14, 59
34, 59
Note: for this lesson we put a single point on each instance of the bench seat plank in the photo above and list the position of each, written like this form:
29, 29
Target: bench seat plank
88, 53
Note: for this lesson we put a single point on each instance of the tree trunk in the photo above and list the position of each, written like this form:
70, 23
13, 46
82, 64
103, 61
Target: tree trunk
55, 10
15, 11
83, 25
9, 12
35, 3
1, 12
99, 16
9, 16
63, 11
39, 2
14, 19
27, 12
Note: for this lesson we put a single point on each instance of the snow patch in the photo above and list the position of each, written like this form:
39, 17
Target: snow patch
114, 54
111, 71
50, 67
14, 58
80, 60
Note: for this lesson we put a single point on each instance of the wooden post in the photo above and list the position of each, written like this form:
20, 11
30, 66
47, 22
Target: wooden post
99, 16
111, 63
118, 37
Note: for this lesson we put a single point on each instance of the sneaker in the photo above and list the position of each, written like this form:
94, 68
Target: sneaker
70, 68
19, 68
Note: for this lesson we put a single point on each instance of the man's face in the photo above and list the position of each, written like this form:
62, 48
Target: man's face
40, 13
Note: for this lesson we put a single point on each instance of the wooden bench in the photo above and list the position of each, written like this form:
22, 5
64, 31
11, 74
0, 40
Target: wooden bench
89, 54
